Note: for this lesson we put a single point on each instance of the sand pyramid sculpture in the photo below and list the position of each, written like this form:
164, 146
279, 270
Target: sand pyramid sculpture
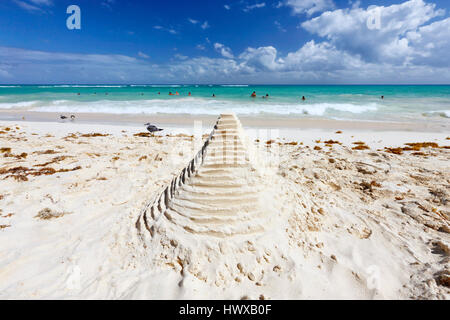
219, 193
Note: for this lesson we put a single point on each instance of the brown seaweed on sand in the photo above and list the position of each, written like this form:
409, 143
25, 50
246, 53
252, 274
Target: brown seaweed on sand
417, 146
48, 214
21, 173
420, 145
71, 136
23, 155
54, 160
361, 147
7, 153
68, 170
329, 142
398, 151
143, 134
89, 135
49, 151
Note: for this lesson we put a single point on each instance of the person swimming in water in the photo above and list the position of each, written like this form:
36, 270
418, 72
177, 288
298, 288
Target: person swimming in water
382, 97
189, 94
159, 92
176, 93
213, 95
303, 98
253, 95
170, 93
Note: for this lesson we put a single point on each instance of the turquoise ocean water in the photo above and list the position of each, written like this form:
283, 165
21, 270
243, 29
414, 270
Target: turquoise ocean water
338, 102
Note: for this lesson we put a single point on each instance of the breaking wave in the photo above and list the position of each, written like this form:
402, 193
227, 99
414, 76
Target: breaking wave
191, 106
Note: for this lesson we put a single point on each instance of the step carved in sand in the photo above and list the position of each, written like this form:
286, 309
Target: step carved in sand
219, 193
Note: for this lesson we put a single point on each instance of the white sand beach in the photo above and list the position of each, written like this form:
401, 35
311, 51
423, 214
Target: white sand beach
323, 211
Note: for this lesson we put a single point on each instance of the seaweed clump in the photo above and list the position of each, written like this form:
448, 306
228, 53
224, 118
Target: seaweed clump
96, 134
416, 147
22, 173
143, 134
48, 214
360, 146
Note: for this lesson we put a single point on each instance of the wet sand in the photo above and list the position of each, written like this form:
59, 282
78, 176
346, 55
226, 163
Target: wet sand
187, 121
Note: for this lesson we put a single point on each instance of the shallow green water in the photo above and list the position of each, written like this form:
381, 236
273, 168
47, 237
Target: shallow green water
349, 102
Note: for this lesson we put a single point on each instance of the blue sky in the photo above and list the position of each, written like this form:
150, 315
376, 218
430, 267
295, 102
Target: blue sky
287, 41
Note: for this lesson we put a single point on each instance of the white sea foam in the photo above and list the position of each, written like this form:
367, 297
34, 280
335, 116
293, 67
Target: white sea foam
440, 113
20, 105
192, 106
320, 109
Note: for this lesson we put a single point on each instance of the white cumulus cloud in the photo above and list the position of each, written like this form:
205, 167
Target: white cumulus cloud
309, 6
223, 50
261, 58
384, 41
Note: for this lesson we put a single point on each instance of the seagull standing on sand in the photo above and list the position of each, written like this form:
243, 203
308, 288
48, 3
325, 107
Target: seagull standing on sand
151, 128
72, 117
63, 117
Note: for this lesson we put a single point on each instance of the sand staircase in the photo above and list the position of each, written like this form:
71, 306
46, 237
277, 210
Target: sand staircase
219, 193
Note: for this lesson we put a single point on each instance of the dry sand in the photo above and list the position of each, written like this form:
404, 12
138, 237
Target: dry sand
325, 221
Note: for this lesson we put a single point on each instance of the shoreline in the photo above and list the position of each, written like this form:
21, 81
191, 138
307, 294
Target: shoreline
188, 121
